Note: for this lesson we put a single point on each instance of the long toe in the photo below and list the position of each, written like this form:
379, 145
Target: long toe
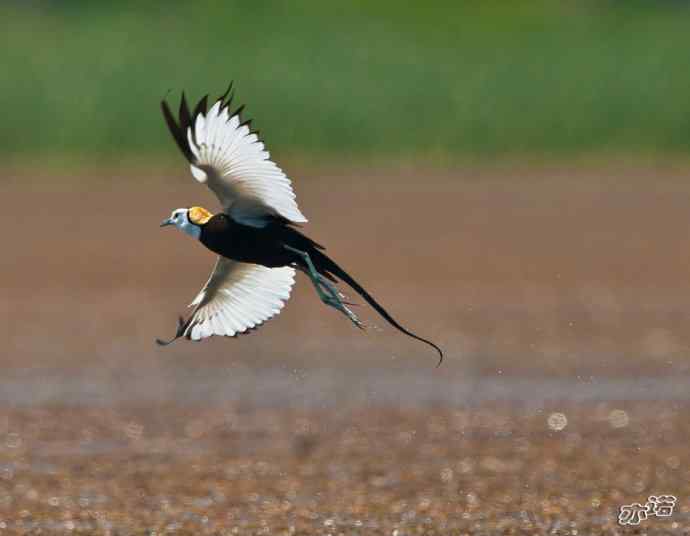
357, 322
340, 306
353, 318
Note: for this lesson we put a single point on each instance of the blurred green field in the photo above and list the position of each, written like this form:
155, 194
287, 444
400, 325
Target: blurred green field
452, 79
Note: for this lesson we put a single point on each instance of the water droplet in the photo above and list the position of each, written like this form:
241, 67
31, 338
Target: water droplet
447, 474
557, 421
618, 418
13, 441
134, 431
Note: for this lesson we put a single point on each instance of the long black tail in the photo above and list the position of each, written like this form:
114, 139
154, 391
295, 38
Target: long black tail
327, 266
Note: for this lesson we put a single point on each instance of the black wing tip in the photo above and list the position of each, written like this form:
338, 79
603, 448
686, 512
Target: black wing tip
178, 127
181, 326
228, 92
238, 112
185, 117
201, 107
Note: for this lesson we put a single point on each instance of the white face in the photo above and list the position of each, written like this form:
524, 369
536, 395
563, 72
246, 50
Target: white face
180, 219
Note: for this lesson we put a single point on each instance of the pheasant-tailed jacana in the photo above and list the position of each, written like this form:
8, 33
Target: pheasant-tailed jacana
255, 236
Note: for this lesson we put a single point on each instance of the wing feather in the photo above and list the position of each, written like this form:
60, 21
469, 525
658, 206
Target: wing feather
233, 162
238, 297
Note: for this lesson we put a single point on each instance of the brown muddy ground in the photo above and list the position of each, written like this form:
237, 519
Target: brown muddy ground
553, 291
427, 470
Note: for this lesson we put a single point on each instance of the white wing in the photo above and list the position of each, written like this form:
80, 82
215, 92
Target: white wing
237, 297
228, 157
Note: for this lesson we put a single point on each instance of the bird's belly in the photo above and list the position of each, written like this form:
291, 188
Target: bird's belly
266, 252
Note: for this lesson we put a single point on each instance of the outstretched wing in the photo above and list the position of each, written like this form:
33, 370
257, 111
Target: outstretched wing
231, 159
237, 297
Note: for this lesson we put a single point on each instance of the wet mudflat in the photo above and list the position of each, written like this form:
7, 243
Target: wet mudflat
560, 295
539, 469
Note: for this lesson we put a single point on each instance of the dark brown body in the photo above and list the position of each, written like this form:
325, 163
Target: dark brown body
266, 246
258, 245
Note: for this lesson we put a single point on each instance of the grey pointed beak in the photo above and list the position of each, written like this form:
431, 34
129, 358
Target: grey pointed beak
167, 222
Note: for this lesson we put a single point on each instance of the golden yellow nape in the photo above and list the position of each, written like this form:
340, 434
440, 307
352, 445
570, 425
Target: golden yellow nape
199, 215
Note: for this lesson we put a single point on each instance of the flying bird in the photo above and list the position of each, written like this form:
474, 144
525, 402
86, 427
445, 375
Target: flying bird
255, 235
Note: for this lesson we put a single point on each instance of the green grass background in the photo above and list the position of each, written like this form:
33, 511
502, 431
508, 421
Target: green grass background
83, 79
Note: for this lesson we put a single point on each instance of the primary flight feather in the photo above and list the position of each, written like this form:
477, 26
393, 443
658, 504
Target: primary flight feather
258, 246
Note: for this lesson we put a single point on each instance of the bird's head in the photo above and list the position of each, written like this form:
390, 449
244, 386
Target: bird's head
189, 220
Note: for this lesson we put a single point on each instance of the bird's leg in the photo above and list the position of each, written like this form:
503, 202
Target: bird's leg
315, 276
338, 302
328, 285
325, 289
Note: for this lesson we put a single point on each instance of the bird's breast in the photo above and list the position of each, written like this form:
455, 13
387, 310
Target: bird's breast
243, 243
